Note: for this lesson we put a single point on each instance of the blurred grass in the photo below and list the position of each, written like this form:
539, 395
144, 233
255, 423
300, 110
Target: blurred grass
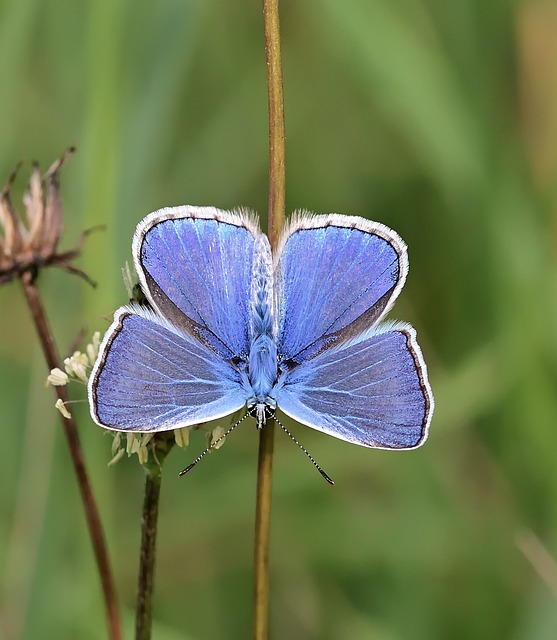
439, 119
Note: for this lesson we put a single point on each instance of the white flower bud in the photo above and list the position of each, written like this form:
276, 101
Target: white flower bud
57, 377
62, 409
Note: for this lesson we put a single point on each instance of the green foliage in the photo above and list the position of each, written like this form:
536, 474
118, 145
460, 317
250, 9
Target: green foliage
436, 118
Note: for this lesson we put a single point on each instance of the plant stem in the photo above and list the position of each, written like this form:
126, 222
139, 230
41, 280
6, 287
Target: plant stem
144, 611
277, 180
91, 512
262, 533
275, 223
146, 580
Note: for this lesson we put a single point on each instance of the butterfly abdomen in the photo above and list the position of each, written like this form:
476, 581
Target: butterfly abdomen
262, 366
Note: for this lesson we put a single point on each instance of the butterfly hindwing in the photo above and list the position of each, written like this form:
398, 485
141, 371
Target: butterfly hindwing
372, 391
151, 376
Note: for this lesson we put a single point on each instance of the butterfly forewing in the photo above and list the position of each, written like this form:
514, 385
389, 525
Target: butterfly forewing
195, 264
335, 277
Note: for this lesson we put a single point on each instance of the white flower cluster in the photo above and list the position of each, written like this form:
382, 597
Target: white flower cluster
135, 443
138, 443
78, 365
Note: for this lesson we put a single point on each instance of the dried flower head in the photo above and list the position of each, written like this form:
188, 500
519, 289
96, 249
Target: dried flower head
28, 244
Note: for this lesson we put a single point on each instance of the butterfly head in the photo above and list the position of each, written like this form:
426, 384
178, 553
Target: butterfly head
261, 409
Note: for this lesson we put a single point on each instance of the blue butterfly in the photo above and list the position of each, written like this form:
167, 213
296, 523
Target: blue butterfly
233, 325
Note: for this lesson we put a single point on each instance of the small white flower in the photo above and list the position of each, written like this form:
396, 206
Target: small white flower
116, 442
62, 408
77, 365
132, 443
93, 348
142, 454
145, 438
215, 435
137, 443
117, 456
182, 437
57, 377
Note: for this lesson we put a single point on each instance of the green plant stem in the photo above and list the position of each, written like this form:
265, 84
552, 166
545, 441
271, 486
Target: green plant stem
146, 579
91, 512
275, 223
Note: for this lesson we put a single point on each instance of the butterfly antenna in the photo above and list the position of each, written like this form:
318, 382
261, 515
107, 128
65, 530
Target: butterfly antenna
301, 446
211, 446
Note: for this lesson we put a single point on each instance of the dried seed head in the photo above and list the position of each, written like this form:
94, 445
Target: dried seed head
30, 246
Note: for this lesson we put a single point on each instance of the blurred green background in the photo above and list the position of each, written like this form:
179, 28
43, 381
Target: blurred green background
436, 118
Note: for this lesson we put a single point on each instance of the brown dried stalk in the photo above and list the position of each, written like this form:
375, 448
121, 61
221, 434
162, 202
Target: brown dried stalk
24, 250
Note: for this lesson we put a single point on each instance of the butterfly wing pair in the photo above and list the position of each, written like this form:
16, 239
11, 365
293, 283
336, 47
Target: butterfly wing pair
330, 282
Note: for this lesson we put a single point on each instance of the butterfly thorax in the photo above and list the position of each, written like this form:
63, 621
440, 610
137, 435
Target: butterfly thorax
262, 362
262, 375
